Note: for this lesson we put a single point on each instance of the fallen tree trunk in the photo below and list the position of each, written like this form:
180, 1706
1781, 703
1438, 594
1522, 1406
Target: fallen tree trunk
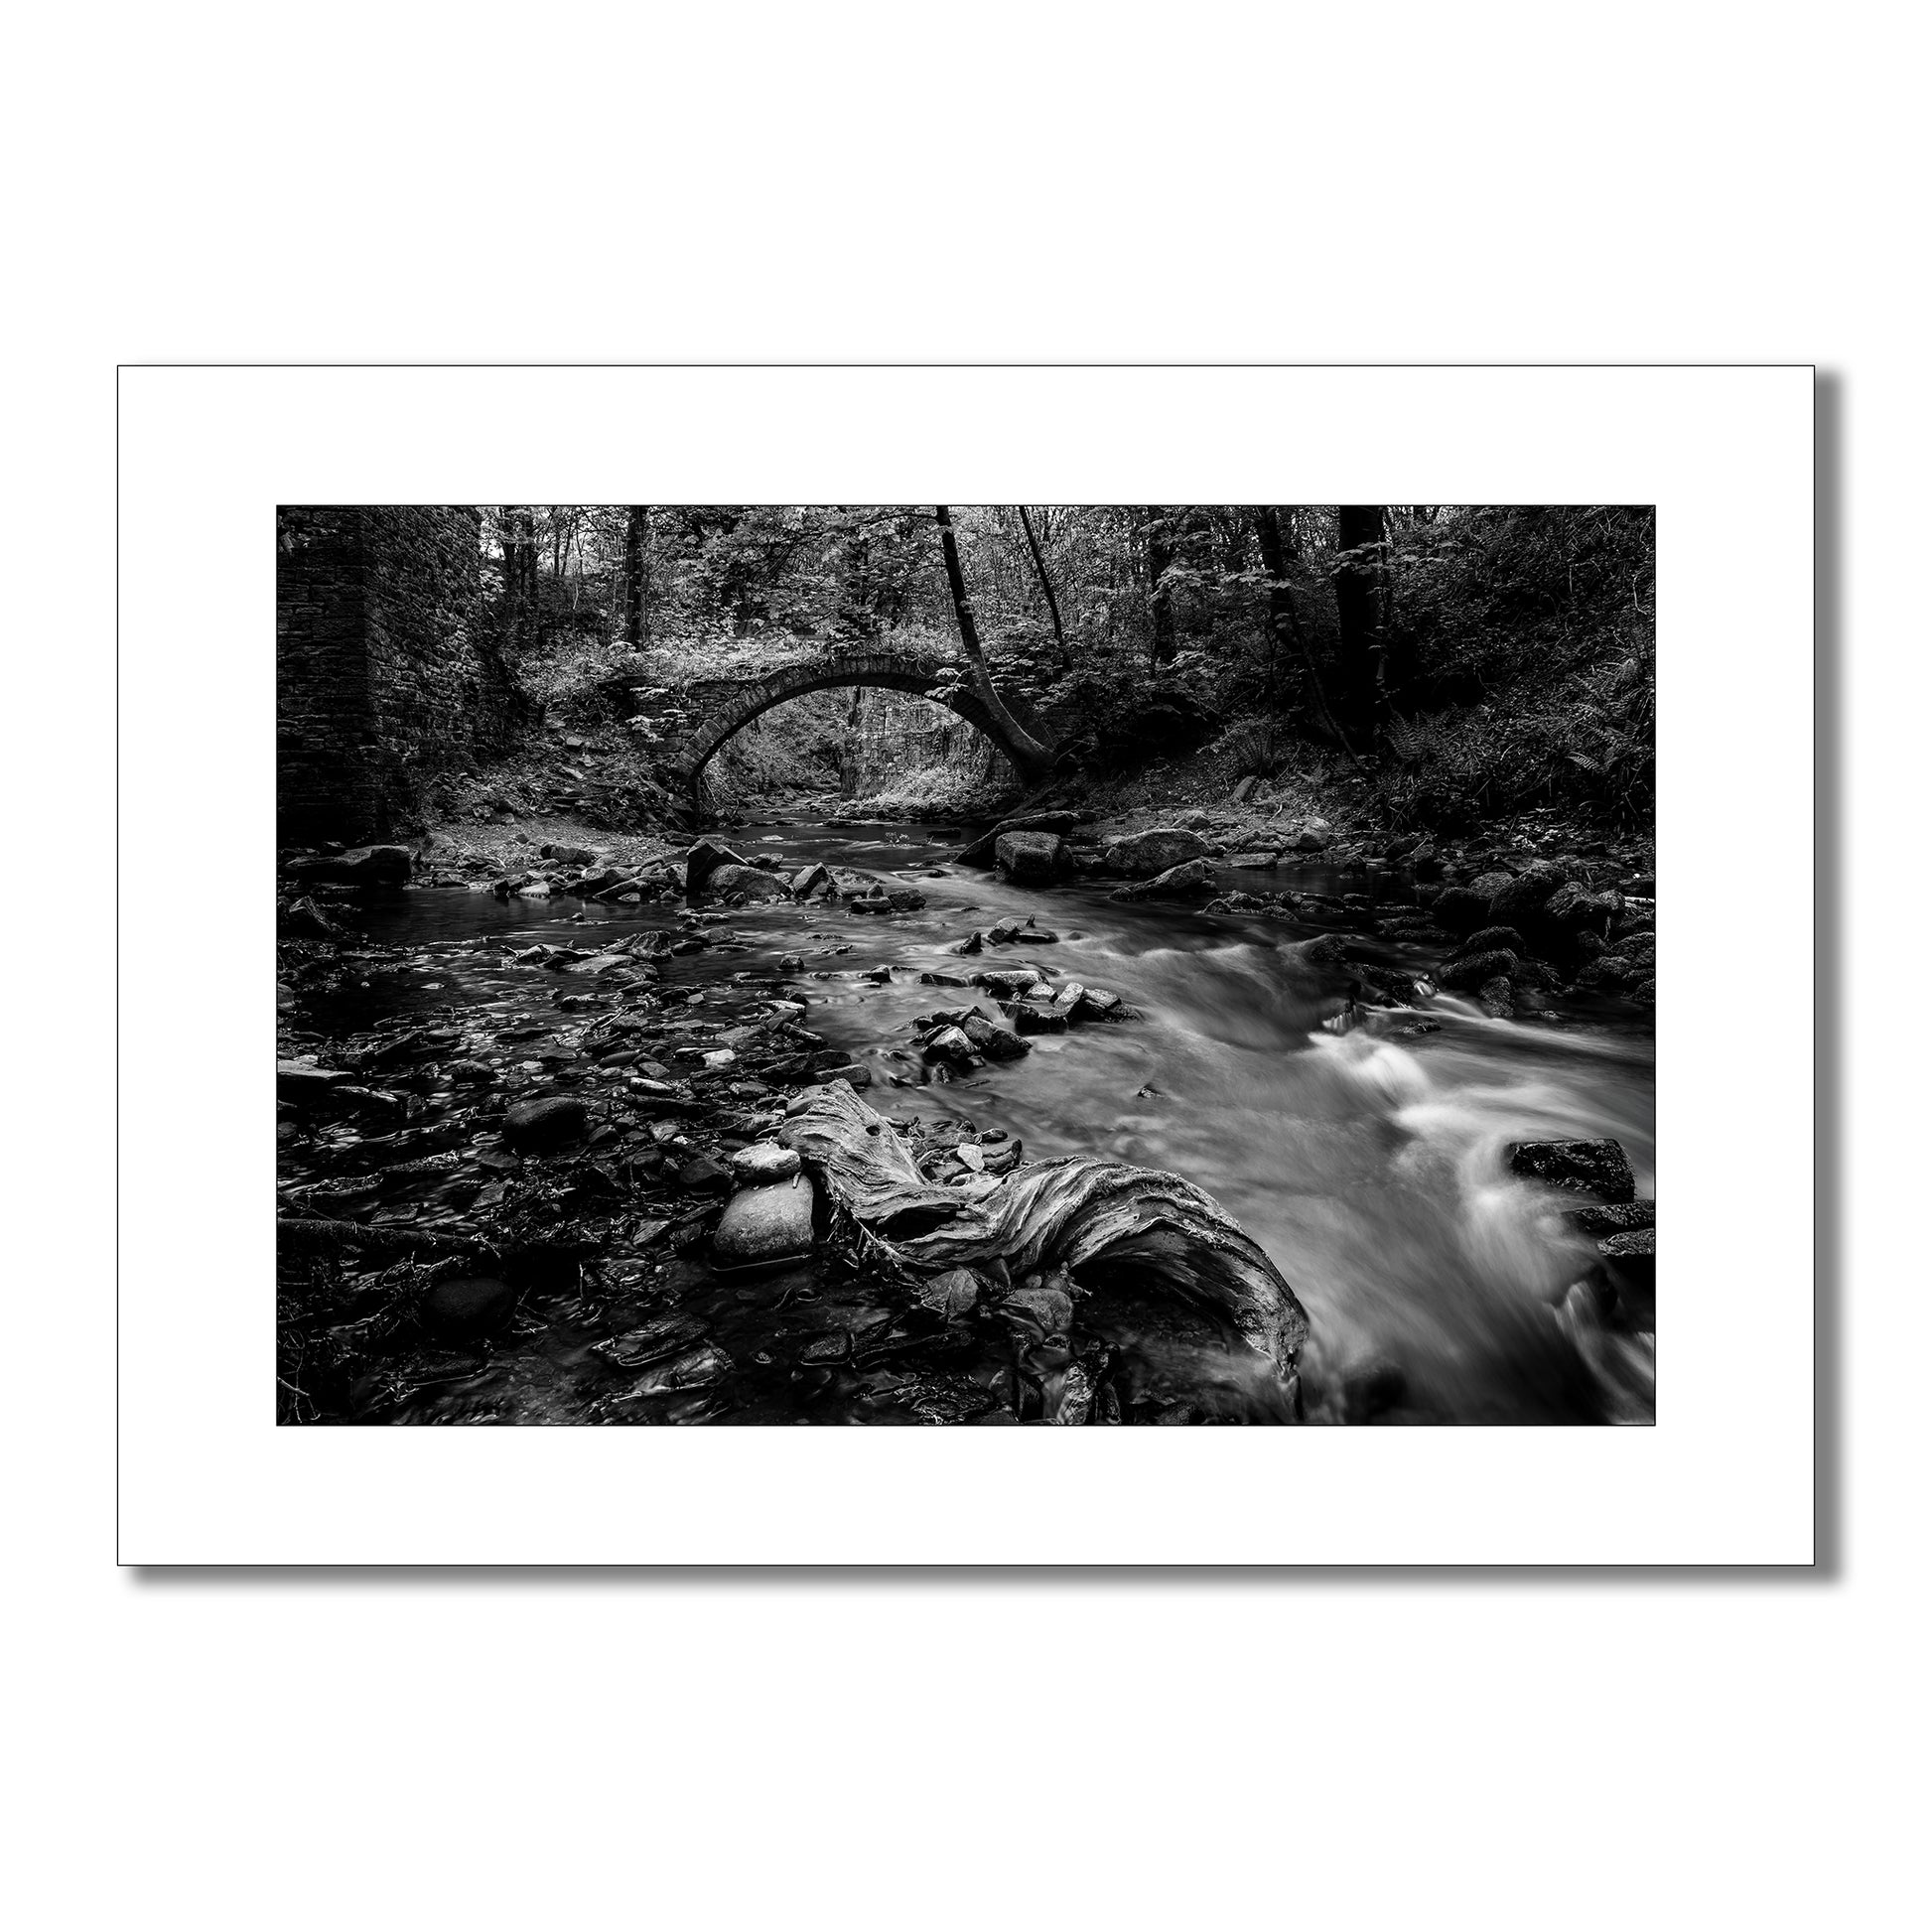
1108, 1226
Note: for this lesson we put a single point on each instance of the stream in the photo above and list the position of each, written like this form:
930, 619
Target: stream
1366, 1156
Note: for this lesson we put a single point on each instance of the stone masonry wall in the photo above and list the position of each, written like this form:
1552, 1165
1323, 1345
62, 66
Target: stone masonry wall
387, 670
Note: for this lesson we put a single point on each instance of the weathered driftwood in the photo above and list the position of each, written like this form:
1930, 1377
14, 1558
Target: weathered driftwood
1099, 1220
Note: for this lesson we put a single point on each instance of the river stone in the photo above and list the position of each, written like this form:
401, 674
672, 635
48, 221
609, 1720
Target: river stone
1459, 907
468, 1307
995, 1041
1142, 854
808, 880
544, 1125
567, 855
1096, 1003
1598, 1168
769, 1222
1493, 938
1497, 998
1029, 858
704, 1174
952, 1045
749, 879
1528, 895
1626, 1218
1185, 881
704, 859
755, 1165
1028, 1019
853, 1074
1473, 969
952, 1294
1485, 885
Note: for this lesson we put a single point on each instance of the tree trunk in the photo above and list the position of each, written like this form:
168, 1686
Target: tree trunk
1358, 608
519, 576
1160, 557
636, 516
1034, 757
1284, 621
1046, 587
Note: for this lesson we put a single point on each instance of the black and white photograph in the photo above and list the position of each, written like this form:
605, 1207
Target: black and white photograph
987, 963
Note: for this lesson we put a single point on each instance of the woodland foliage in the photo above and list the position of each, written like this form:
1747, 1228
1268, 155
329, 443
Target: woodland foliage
1472, 660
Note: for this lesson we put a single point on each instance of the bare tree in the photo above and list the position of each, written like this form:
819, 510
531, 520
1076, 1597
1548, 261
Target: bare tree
1045, 586
1032, 754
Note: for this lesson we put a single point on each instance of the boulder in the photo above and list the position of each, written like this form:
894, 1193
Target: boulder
996, 1043
567, 855
1466, 974
1600, 1169
766, 1223
367, 865
1571, 905
544, 1125
952, 1294
754, 1166
1497, 998
1460, 908
1029, 858
852, 1073
750, 880
954, 1048
808, 880
467, 1307
1186, 880
704, 859
985, 849
1493, 938
1143, 855
1313, 840
1626, 1218
703, 1174
1485, 885
1528, 893
1029, 1018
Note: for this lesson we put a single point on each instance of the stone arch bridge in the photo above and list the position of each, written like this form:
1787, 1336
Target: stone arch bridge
718, 711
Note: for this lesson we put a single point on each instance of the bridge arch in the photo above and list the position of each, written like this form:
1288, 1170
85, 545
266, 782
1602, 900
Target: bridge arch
729, 712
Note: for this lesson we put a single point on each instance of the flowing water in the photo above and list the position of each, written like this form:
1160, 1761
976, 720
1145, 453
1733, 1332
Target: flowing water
1367, 1158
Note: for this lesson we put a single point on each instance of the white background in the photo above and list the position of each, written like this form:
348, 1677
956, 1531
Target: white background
1489, 183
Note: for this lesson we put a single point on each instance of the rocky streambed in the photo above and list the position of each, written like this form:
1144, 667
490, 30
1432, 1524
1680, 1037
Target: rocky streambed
559, 1133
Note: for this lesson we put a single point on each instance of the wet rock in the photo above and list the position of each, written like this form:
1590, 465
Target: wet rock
953, 1293
1485, 885
1005, 982
306, 1085
984, 849
704, 859
1643, 886
1461, 908
1186, 880
995, 1041
953, 1046
1476, 969
749, 881
1528, 895
467, 1309
1493, 938
1598, 1168
852, 1073
470, 1073
1626, 1218
1029, 858
704, 1174
973, 943
1571, 905
544, 1125
881, 901
1145, 855
305, 919
1255, 860
1314, 840
756, 1165
369, 865
1497, 998
808, 880
766, 1222
1029, 1018
1096, 1003
697, 1368
568, 855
